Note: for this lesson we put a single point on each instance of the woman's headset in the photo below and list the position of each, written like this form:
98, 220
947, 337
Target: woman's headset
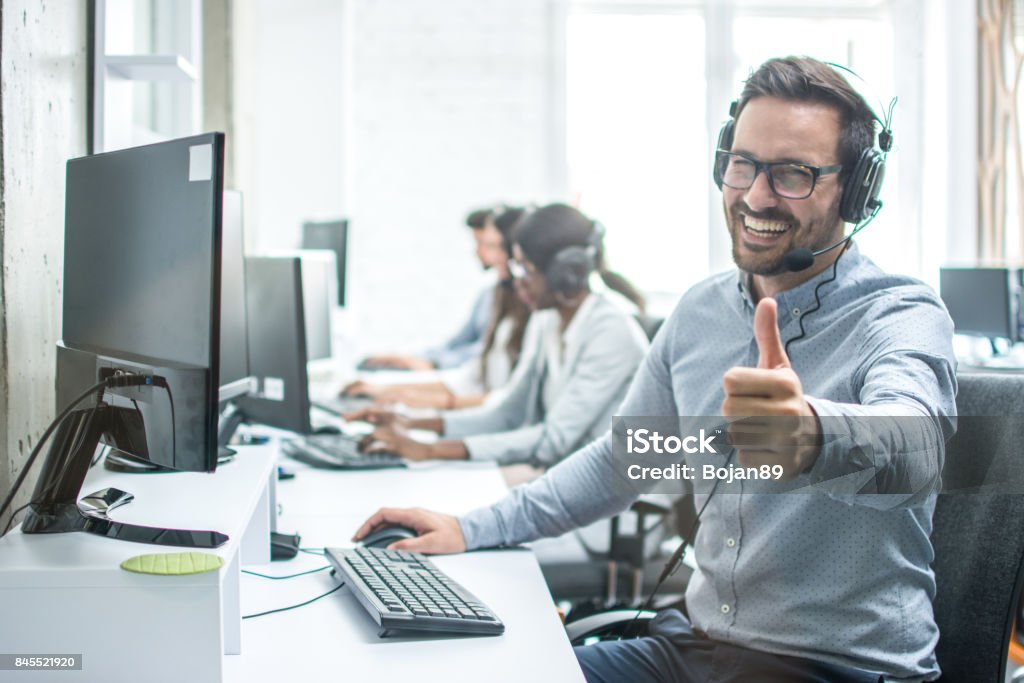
570, 268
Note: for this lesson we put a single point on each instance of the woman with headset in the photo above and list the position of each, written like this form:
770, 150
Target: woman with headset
579, 356
470, 383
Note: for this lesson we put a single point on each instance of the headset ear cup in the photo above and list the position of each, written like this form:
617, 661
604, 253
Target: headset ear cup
724, 142
570, 269
862, 187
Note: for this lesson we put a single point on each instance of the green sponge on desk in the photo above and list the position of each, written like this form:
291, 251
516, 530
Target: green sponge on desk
173, 564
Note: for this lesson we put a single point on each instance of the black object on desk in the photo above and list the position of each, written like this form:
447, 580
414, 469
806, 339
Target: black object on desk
284, 546
385, 536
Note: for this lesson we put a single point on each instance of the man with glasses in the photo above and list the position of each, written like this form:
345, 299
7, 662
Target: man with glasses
824, 583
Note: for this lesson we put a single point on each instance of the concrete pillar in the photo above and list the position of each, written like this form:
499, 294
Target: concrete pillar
43, 100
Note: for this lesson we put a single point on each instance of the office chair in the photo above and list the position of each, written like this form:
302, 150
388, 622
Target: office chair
616, 563
977, 533
650, 324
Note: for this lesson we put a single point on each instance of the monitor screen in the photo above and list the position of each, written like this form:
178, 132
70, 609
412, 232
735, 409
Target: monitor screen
142, 235
277, 344
331, 235
142, 293
981, 301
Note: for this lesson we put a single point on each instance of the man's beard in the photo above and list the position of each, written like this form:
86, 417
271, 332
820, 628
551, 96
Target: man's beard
750, 263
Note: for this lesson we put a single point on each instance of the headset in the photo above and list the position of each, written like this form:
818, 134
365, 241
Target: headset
570, 268
862, 186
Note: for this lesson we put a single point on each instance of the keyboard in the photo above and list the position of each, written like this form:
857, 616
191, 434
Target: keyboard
406, 591
338, 452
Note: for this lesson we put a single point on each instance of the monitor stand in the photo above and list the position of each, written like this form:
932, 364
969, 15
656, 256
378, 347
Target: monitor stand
119, 461
55, 507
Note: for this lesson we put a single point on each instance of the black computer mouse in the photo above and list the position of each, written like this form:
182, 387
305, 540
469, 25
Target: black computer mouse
385, 536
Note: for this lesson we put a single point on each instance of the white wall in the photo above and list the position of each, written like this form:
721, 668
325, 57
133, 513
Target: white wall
42, 124
402, 115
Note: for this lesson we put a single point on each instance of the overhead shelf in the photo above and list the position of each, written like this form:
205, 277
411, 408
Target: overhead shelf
167, 68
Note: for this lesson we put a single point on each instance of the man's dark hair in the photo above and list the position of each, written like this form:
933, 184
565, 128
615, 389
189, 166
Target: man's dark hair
477, 219
806, 79
506, 219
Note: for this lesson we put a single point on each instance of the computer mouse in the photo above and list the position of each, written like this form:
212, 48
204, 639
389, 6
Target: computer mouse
385, 536
327, 429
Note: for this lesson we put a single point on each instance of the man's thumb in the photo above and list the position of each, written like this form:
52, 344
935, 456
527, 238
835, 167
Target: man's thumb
766, 331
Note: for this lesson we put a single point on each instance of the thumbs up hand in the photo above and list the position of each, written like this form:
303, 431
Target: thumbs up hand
771, 422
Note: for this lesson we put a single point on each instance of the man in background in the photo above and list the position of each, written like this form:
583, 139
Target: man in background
468, 341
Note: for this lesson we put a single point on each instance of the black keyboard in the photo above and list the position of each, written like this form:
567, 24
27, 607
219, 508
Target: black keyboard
405, 591
338, 452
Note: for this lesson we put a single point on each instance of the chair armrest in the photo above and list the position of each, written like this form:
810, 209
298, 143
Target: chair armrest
609, 623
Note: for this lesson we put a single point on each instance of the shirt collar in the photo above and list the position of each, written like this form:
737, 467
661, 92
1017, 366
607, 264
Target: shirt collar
578, 322
799, 298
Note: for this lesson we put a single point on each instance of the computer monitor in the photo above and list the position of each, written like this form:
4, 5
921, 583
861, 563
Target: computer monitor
234, 334
142, 299
277, 344
318, 273
331, 235
983, 302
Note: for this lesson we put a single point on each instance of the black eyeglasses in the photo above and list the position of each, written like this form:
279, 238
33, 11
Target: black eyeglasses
786, 179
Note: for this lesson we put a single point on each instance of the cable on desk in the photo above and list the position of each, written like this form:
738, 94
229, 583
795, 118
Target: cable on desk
313, 551
289, 576
301, 604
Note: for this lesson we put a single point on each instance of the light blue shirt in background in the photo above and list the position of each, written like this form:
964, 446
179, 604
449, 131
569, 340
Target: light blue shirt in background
468, 341
827, 575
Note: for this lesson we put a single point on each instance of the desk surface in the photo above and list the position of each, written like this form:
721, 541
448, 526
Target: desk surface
336, 635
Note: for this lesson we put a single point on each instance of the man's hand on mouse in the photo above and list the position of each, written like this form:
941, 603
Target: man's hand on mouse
437, 533
791, 434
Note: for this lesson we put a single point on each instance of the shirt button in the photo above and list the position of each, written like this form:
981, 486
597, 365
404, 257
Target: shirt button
725, 609
796, 311
731, 542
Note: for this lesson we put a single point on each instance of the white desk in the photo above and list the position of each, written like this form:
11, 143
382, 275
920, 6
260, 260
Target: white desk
335, 639
66, 593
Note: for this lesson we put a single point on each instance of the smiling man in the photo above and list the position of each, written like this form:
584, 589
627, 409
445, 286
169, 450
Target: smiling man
832, 582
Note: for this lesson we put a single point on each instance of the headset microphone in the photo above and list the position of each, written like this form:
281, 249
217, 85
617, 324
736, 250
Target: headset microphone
803, 258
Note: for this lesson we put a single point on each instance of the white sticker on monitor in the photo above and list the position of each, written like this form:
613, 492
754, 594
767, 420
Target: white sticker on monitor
273, 388
200, 163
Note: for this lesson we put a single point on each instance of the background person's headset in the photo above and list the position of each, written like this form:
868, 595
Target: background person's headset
570, 267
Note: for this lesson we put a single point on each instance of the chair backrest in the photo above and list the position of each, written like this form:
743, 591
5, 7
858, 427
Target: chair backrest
978, 534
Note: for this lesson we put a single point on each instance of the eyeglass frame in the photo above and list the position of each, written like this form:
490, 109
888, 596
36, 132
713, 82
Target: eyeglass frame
766, 166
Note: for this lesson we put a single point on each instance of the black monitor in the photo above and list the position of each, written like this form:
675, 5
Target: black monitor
234, 334
982, 301
331, 235
277, 344
142, 303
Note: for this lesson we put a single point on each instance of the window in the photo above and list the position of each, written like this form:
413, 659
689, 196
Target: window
146, 80
645, 85
637, 141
